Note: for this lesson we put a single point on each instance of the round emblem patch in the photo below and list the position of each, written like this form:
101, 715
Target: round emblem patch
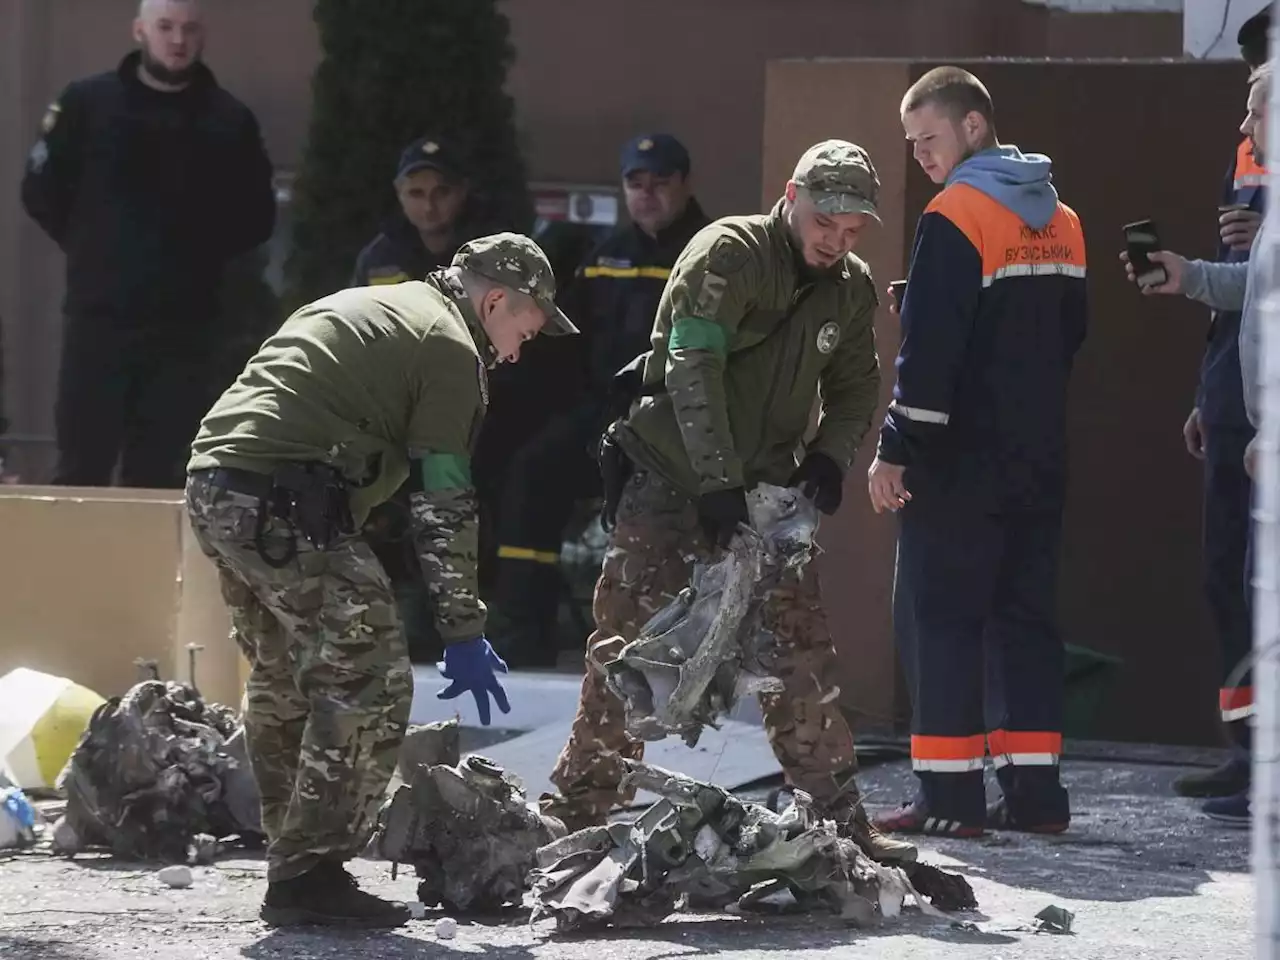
828, 336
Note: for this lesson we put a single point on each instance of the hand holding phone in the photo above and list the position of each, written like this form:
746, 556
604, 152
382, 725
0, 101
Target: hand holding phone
897, 290
1238, 225
1141, 240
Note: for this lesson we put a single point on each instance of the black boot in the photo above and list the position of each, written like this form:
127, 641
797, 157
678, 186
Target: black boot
1225, 781
328, 896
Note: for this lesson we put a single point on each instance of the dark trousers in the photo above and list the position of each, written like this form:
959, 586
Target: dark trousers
1228, 568
547, 476
130, 398
975, 622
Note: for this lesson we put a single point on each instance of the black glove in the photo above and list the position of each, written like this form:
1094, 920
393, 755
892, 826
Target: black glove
721, 512
820, 479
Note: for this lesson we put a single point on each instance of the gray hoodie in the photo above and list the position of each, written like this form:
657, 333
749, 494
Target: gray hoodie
1019, 181
1235, 286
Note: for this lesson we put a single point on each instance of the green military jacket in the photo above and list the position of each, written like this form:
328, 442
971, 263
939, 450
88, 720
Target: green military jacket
745, 343
372, 382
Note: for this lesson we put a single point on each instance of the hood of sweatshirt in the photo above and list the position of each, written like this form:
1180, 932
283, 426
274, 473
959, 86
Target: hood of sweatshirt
1022, 182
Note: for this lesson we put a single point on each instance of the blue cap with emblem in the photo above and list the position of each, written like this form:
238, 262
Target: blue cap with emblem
433, 153
658, 153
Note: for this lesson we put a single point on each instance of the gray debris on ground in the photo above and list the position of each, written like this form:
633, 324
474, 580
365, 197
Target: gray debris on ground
704, 848
465, 826
157, 775
697, 656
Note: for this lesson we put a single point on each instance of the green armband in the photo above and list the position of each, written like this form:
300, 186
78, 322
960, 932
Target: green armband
694, 333
445, 471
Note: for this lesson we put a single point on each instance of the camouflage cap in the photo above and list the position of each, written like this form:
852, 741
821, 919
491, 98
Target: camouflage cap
839, 178
515, 261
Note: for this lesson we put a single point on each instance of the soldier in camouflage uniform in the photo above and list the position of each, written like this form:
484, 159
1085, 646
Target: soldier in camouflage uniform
354, 394
762, 316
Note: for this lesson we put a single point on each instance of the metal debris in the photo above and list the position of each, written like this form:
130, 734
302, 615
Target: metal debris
699, 654
466, 827
701, 846
155, 770
1054, 920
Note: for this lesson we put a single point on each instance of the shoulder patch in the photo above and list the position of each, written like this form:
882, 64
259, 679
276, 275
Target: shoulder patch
728, 255
828, 336
51, 117
38, 157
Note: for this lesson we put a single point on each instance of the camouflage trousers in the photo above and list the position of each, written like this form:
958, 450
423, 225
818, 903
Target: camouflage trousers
649, 560
327, 700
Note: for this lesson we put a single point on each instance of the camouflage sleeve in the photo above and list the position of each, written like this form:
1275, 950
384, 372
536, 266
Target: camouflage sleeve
850, 384
446, 525
708, 294
447, 414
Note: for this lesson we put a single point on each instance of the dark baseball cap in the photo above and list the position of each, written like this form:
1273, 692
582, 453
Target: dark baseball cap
433, 153
658, 153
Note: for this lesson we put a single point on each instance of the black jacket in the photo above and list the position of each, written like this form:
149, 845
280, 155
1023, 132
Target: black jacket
613, 297
149, 194
397, 254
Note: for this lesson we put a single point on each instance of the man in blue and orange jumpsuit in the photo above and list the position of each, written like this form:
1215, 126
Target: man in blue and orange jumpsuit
972, 458
1217, 432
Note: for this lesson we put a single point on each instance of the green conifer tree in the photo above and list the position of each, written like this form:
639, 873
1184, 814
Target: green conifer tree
392, 71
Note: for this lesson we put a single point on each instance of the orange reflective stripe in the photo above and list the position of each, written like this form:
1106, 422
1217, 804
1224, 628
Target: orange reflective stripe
1022, 741
1007, 246
1236, 703
1023, 748
1249, 173
948, 754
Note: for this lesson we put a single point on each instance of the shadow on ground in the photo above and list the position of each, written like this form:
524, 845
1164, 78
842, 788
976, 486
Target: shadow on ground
783, 935
28, 949
1131, 838
319, 943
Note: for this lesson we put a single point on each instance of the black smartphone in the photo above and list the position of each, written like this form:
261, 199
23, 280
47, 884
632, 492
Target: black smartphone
897, 289
1142, 239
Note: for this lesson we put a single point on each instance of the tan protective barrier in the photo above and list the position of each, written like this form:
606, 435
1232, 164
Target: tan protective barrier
92, 580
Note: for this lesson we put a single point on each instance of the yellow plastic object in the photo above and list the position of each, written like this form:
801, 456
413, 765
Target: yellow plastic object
41, 720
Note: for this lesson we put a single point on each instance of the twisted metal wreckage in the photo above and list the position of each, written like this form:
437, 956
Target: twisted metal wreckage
159, 775
477, 843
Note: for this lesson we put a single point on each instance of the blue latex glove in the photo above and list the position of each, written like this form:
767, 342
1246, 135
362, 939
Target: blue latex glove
471, 665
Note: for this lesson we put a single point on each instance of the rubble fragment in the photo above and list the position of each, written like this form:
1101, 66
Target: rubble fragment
429, 744
446, 928
65, 841
155, 769
465, 826
702, 846
176, 876
1054, 920
697, 656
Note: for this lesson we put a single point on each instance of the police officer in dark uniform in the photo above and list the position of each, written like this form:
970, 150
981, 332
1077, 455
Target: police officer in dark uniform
151, 178
1217, 432
433, 187
613, 298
